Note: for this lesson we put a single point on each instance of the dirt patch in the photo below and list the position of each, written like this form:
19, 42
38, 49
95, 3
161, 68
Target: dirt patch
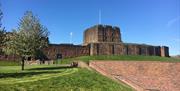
82, 64
142, 75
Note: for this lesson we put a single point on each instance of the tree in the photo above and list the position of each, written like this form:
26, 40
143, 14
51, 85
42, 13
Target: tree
2, 32
28, 39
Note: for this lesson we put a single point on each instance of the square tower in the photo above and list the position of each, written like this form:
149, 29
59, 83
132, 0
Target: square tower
101, 34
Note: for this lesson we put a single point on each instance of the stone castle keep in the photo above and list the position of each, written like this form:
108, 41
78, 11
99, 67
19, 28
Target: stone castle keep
104, 40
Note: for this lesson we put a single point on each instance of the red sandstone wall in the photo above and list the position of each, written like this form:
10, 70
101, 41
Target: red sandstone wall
90, 35
125, 49
100, 33
66, 51
164, 51
98, 49
9, 58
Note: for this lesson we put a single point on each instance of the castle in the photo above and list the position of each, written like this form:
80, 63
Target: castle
103, 40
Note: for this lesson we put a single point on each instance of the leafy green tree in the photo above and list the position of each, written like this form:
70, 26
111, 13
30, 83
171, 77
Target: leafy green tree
2, 32
28, 39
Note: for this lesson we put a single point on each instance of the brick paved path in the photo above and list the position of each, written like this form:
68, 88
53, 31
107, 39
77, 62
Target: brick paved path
142, 75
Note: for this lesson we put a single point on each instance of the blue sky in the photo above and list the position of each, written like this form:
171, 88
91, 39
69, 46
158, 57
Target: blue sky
155, 22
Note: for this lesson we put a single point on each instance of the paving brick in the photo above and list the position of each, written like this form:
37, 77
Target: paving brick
161, 76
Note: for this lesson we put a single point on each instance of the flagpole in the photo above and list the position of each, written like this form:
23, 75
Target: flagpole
71, 37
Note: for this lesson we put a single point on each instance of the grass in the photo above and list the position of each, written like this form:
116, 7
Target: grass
63, 78
9, 63
119, 57
104, 58
55, 78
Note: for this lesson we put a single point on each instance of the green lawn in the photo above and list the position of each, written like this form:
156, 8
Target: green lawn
119, 57
60, 78
104, 58
9, 63
55, 78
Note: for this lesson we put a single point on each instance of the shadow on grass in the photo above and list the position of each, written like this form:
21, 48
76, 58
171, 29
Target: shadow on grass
51, 68
25, 74
32, 72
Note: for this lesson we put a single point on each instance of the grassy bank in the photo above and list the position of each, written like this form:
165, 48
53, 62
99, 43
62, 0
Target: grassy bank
55, 78
119, 57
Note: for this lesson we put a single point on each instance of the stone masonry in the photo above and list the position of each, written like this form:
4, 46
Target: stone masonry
100, 33
66, 50
104, 40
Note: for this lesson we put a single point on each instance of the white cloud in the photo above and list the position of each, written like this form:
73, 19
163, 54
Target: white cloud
71, 33
177, 40
173, 21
